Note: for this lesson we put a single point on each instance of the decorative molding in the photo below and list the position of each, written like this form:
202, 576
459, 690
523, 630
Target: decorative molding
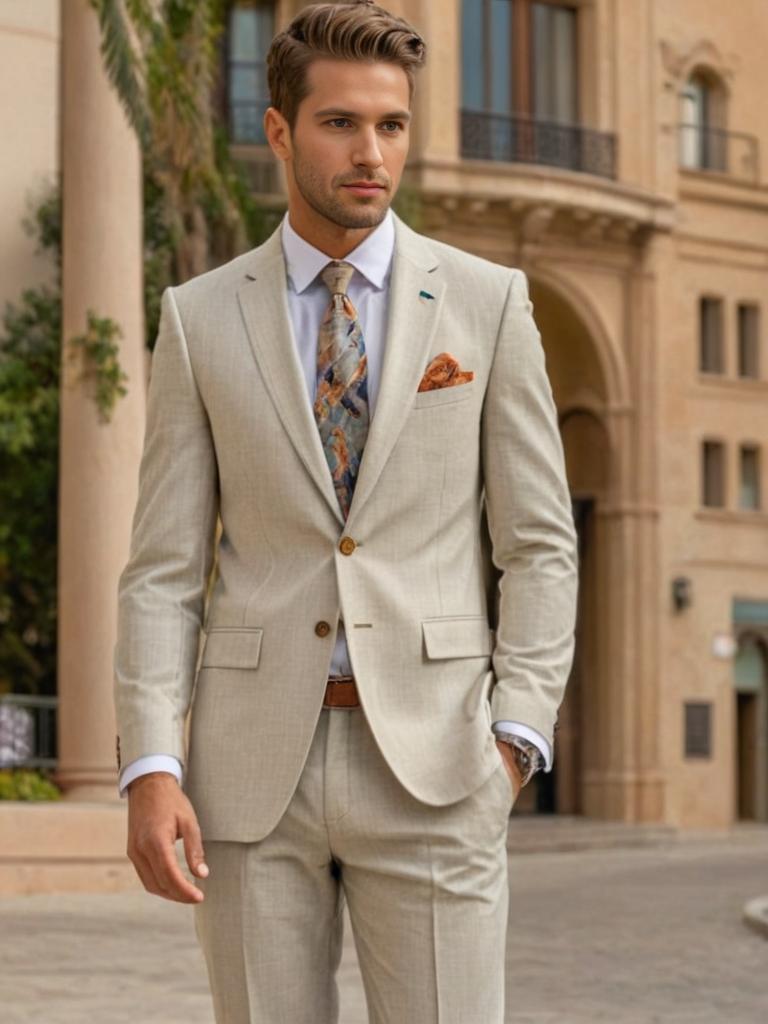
679, 62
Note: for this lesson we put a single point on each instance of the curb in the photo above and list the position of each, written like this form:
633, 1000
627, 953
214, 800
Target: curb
756, 915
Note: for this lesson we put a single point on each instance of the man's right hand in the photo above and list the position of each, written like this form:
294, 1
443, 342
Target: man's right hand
159, 813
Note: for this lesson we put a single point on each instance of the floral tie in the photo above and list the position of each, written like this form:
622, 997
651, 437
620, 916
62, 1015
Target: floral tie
341, 398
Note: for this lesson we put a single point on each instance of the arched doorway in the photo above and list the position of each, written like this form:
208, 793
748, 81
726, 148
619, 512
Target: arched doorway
579, 387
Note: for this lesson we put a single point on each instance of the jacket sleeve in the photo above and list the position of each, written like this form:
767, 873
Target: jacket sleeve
161, 590
530, 522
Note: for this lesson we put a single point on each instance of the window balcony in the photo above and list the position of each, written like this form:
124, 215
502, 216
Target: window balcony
714, 150
520, 139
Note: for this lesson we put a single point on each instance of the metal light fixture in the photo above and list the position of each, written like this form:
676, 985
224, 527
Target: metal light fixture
681, 593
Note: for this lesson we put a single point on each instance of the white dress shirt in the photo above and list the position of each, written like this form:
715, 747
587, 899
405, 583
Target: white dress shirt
308, 297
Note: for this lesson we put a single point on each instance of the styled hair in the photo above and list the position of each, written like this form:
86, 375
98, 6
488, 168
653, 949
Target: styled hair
360, 30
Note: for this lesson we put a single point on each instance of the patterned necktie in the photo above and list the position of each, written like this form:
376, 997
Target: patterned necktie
341, 399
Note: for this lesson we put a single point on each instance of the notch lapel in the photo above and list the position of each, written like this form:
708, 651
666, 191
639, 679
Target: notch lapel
263, 300
411, 324
412, 321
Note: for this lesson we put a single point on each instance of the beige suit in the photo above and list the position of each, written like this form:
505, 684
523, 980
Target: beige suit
460, 489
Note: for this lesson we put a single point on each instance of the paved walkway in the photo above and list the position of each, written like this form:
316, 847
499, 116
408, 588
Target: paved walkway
623, 936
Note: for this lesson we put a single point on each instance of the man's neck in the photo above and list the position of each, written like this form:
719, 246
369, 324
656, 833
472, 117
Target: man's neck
334, 240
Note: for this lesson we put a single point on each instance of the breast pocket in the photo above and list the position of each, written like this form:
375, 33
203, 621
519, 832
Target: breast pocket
444, 396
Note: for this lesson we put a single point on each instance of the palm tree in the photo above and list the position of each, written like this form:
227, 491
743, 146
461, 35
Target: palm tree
161, 56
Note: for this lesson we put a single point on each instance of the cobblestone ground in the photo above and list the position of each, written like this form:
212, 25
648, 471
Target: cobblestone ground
632, 936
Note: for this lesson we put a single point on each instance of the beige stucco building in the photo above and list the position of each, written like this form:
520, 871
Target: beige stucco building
614, 150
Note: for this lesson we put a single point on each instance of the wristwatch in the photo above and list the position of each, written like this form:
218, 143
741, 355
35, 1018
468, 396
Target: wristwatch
528, 757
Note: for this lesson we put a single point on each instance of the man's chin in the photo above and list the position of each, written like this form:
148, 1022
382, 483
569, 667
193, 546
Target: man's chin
361, 217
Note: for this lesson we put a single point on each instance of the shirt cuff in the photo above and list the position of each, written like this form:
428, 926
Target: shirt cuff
146, 764
528, 733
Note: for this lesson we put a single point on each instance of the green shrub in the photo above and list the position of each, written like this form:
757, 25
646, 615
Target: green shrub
24, 784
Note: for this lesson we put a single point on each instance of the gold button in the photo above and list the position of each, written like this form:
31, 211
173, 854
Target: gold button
347, 545
322, 628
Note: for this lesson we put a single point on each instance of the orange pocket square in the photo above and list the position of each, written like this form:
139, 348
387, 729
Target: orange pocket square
444, 372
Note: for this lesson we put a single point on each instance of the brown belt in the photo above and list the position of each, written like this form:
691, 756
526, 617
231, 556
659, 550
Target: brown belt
341, 692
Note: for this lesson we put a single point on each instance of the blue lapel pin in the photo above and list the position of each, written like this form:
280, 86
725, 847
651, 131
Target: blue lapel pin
425, 295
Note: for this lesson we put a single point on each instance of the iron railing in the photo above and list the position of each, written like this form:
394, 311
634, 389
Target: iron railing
703, 148
27, 731
521, 139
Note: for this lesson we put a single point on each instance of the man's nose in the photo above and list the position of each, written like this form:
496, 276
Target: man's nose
367, 151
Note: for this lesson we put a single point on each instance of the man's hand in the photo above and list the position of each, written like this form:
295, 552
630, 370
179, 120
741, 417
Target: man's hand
507, 753
159, 813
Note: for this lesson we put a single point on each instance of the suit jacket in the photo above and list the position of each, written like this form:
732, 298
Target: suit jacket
455, 572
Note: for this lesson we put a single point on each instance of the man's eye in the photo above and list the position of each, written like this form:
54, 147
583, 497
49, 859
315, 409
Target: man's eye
336, 119
397, 124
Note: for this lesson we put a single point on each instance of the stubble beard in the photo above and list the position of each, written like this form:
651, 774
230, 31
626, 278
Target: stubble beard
328, 205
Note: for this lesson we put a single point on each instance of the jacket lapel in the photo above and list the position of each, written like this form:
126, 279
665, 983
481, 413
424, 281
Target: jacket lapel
411, 324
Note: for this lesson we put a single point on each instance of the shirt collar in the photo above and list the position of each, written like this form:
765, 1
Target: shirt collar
372, 258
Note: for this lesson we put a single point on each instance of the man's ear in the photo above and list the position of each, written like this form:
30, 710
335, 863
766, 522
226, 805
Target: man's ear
278, 133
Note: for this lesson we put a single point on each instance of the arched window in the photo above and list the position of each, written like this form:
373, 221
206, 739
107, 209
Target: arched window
249, 33
703, 139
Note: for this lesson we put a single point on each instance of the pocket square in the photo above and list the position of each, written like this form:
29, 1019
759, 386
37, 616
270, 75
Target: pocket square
444, 372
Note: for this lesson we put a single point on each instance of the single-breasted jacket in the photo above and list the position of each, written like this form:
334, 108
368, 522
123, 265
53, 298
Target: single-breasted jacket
455, 573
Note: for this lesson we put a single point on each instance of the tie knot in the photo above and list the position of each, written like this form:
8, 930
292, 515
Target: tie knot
336, 276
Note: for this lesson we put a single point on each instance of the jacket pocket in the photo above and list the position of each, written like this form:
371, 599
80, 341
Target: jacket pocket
457, 636
232, 647
444, 396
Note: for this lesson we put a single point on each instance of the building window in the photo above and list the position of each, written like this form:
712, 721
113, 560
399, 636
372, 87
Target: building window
519, 58
748, 320
698, 729
710, 335
703, 140
713, 474
749, 476
250, 32
520, 96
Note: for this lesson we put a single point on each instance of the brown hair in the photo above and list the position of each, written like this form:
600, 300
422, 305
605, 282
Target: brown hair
360, 30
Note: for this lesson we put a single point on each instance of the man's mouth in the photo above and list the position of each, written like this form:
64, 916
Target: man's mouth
365, 188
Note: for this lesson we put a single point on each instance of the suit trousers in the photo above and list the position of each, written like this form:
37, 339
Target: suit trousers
426, 887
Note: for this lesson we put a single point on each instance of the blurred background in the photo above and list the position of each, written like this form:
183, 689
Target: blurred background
615, 151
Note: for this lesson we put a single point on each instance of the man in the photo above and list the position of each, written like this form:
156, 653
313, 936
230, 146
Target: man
391, 628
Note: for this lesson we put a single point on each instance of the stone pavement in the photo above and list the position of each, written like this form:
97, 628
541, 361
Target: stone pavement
625, 936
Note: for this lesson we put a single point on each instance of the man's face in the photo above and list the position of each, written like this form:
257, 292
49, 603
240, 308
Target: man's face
352, 127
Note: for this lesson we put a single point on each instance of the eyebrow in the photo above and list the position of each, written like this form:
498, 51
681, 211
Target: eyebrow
400, 115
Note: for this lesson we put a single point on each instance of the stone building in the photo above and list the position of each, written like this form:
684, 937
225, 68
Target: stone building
614, 150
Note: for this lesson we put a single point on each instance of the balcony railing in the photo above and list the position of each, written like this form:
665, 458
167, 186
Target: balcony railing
704, 148
27, 731
520, 139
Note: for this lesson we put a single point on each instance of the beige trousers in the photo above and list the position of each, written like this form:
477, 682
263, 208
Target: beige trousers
426, 887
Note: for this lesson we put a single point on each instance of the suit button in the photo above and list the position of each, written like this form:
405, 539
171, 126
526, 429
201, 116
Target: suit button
322, 628
347, 545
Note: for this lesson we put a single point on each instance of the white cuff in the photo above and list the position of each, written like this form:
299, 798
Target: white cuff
146, 764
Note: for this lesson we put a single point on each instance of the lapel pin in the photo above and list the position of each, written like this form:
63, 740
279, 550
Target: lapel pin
425, 295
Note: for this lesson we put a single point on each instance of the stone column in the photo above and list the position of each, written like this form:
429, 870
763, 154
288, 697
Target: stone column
102, 270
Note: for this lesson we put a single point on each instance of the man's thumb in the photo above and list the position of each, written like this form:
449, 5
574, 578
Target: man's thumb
193, 847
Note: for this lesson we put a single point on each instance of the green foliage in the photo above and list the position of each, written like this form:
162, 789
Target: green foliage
29, 461
23, 784
162, 59
101, 363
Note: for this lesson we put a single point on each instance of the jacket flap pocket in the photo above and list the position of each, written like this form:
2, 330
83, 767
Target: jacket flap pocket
232, 647
457, 636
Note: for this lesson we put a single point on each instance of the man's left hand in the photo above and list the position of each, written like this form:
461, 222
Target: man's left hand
510, 763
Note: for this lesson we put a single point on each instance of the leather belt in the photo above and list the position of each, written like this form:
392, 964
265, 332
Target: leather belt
341, 692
